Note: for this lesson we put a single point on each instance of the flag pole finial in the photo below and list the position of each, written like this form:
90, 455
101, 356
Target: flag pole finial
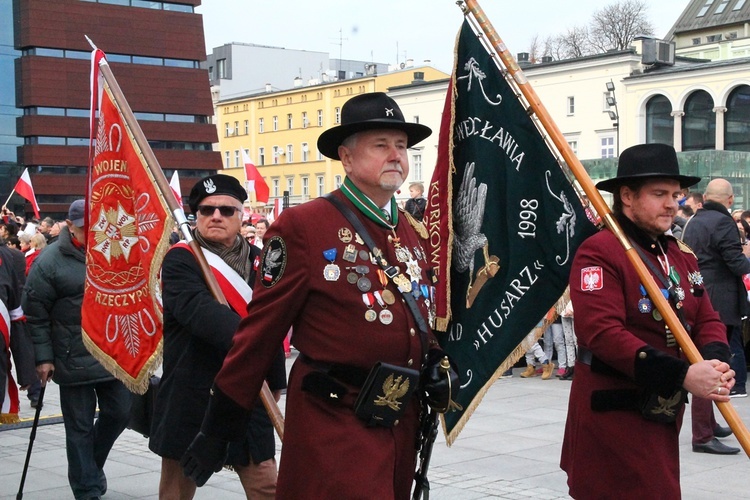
93, 46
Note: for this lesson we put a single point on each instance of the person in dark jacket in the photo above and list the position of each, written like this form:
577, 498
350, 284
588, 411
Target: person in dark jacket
52, 301
714, 237
198, 332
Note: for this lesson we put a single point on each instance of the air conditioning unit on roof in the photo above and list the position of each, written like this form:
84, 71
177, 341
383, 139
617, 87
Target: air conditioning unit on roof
658, 52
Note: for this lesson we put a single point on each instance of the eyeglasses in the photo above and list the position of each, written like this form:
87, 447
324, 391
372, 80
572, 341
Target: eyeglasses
224, 210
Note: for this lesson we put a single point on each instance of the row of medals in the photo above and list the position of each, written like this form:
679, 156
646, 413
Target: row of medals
645, 306
357, 274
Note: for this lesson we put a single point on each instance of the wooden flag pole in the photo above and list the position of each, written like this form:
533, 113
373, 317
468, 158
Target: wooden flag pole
163, 187
506, 59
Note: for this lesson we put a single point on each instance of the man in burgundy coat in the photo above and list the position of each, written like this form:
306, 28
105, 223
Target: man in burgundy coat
319, 276
627, 399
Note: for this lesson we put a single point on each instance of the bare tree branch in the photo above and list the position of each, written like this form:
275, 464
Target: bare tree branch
615, 26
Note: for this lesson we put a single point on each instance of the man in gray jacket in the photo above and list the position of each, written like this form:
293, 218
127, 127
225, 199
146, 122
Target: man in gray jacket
52, 302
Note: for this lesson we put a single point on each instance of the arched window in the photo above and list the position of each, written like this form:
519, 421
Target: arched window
659, 121
737, 120
699, 122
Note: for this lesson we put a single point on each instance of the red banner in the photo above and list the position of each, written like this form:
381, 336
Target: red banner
128, 234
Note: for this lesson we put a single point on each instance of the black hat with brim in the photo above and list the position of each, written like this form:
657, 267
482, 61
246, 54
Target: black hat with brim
644, 161
372, 111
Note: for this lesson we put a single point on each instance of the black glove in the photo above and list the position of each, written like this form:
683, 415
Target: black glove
204, 456
440, 382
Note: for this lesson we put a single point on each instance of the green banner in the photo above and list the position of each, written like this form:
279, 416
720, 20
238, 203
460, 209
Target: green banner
515, 223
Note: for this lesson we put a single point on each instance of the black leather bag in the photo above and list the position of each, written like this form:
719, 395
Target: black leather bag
386, 394
142, 409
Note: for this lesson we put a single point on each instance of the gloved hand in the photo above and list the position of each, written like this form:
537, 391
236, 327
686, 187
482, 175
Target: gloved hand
204, 456
440, 381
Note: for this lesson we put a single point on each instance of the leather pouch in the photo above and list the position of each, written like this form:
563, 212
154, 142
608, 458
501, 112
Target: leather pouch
385, 394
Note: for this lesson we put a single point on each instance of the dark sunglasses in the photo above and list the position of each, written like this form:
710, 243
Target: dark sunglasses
224, 210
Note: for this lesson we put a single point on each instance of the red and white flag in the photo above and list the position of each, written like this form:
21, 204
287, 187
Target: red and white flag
174, 183
128, 232
254, 181
24, 188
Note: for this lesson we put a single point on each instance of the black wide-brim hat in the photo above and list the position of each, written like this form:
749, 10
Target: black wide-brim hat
372, 111
215, 185
647, 160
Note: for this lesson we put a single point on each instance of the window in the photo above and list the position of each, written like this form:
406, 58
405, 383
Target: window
721, 7
573, 146
304, 119
320, 156
221, 68
321, 185
696, 41
276, 155
290, 185
306, 187
236, 128
416, 119
236, 157
275, 123
320, 118
699, 122
416, 162
659, 121
289, 121
337, 181
289, 153
608, 147
226, 159
714, 38
247, 127
261, 126
338, 116
739, 5
275, 186
705, 8
737, 120
305, 151
571, 106
261, 156
226, 129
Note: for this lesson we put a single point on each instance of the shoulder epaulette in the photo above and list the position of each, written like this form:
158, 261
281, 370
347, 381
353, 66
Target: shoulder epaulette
685, 248
417, 225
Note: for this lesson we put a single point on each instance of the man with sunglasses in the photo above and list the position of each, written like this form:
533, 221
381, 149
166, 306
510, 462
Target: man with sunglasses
355, 319
197, 335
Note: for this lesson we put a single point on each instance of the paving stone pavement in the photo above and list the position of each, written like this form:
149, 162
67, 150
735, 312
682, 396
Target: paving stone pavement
510, 448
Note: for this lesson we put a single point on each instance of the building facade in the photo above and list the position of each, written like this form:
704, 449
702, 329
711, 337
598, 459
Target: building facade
279, 131
154, 50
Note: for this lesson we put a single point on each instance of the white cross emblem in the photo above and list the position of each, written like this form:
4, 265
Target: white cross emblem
388, 111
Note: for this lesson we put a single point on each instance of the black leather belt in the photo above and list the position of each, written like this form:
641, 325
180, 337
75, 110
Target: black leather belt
347, 374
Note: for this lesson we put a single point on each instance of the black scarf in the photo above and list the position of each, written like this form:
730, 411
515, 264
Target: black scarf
237, 256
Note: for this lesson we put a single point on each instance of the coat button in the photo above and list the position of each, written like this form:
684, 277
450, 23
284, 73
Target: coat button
412, 332
395, 423
410, 362
642, 355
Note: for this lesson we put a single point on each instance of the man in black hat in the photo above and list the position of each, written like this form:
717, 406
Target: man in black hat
631, 382
351, 317
197, 335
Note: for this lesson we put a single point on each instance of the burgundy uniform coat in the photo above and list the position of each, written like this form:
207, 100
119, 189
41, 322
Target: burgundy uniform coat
618, 453
327, 451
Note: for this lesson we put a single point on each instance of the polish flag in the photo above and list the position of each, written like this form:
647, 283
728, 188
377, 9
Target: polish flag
254, 181
278, 206
24, 188
174, 183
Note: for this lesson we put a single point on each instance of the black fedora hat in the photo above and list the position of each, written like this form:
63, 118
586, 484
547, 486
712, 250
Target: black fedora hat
370, 111
647, 160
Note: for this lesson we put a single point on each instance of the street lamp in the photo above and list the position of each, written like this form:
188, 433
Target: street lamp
613, 115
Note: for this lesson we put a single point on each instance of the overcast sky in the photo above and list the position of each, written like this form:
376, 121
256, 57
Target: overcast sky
389, 31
